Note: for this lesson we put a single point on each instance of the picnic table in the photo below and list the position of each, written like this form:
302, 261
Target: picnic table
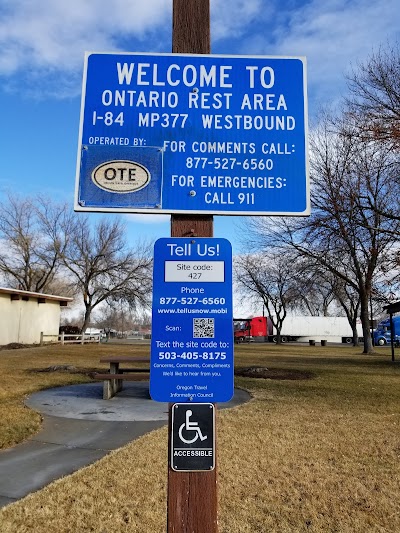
113, 380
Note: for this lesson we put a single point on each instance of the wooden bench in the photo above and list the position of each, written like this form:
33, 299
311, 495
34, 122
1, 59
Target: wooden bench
114, 379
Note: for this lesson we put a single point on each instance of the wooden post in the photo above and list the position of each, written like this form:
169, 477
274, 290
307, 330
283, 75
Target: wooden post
62, 338
191, 35
41, 338
192, 496
391, 334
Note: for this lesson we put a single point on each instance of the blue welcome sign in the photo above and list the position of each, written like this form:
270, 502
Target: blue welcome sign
180, 133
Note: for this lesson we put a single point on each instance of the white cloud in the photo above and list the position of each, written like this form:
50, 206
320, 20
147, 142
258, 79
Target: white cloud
53, 34
342, 35
42, 41
333, 35
230, 20
41, 38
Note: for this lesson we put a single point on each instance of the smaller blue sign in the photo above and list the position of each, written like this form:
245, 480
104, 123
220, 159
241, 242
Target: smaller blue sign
192, 321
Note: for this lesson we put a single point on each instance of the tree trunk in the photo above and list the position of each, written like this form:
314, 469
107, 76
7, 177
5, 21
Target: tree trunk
355, 335
368, 348
86, 320
353, 325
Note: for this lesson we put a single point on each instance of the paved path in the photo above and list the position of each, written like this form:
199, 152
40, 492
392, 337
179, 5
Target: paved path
79, 428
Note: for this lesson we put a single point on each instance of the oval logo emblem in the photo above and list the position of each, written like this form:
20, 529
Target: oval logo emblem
121, 176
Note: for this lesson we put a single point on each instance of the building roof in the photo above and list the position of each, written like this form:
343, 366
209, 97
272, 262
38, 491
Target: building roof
392, 308
29, 294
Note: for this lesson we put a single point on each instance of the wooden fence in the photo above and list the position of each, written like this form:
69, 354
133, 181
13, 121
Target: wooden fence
64, 338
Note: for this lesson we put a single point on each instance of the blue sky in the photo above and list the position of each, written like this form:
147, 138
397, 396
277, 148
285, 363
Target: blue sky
42, 43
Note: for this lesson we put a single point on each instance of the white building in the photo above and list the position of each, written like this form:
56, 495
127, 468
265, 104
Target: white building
24, 315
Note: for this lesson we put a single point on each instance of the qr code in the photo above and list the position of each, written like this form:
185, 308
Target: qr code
203, 328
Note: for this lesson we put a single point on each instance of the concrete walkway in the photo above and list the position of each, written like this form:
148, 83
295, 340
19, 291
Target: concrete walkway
79, 428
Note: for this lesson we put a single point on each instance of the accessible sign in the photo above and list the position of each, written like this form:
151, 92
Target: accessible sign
180, 133
192, 321
193, 437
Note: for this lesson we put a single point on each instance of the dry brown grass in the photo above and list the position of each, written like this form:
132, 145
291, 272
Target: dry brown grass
319, 455
19, 377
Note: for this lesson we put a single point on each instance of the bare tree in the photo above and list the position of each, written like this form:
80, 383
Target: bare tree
120, 316
104, 268
268, 277
314, 292
342, 235
34, 233
349, 300
373, 108
322, 292
375, 96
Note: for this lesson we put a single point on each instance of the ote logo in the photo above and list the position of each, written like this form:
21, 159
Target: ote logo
193, 437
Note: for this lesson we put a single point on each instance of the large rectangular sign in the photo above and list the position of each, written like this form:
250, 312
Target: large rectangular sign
192, 321
178, 133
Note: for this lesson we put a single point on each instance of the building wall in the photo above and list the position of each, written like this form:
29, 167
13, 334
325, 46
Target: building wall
22, 320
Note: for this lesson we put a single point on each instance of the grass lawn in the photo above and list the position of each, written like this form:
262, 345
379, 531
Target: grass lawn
320, 454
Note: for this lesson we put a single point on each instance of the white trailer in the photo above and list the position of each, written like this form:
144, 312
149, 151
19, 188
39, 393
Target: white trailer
94, 334
306, 328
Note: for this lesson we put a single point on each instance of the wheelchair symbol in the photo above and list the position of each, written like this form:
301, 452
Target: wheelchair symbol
189, 426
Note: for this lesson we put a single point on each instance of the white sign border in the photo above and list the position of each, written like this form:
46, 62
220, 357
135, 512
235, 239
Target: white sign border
155, 211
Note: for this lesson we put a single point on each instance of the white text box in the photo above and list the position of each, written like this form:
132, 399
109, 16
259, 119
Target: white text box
195, 271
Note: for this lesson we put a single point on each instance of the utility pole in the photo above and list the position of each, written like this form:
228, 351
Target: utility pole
192, 496
191, 35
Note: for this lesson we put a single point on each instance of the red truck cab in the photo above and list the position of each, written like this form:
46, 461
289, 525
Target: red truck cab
251, 329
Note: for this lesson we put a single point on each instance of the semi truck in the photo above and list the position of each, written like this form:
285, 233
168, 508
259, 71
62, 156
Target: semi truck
252, 329
296, 328
382, 332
